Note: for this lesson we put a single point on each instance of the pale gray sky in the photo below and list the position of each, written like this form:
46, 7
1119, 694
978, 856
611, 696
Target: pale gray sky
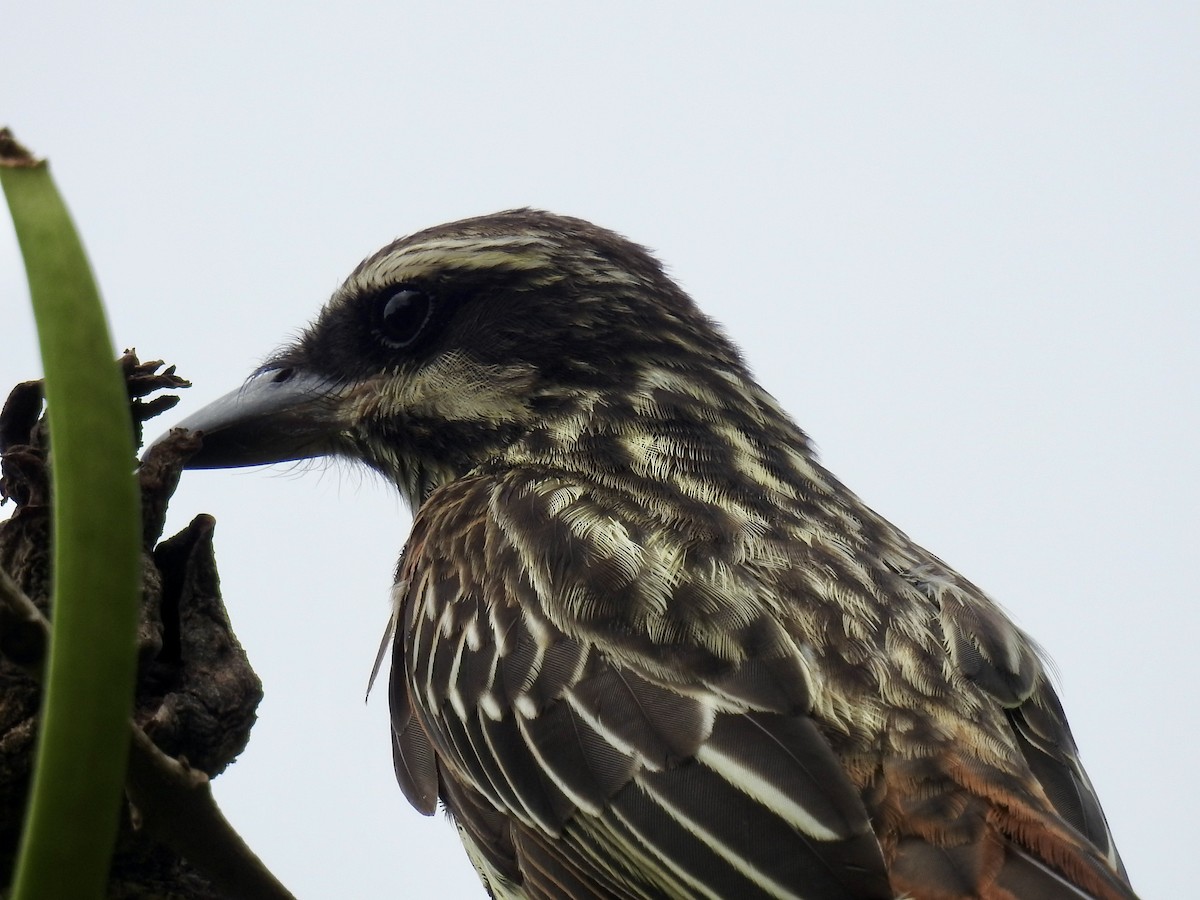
958, 241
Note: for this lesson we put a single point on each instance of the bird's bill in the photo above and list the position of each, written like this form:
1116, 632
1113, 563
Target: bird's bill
277, 416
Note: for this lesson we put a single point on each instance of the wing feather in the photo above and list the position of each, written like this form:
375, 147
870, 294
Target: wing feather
587, 768
413, 756
776, 759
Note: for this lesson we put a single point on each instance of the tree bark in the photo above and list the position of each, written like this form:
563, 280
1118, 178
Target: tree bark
197, 694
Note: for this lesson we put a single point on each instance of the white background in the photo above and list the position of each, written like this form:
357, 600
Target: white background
958, 241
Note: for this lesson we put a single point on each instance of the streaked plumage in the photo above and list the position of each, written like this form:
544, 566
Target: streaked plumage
646, 646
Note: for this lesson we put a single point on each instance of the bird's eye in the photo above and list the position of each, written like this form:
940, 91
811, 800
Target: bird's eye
402, 315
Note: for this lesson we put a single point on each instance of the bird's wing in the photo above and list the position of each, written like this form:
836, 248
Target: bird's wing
1006, 802
607, 718
573, 765
1045, 740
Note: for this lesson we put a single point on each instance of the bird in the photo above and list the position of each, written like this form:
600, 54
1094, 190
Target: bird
644, 645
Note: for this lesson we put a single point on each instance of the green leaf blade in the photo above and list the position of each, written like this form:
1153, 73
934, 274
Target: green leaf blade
82, 752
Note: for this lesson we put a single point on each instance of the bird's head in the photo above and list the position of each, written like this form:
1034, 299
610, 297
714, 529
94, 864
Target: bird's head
455, 344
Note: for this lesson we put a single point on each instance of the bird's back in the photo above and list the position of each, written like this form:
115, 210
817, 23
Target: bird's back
804, 705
